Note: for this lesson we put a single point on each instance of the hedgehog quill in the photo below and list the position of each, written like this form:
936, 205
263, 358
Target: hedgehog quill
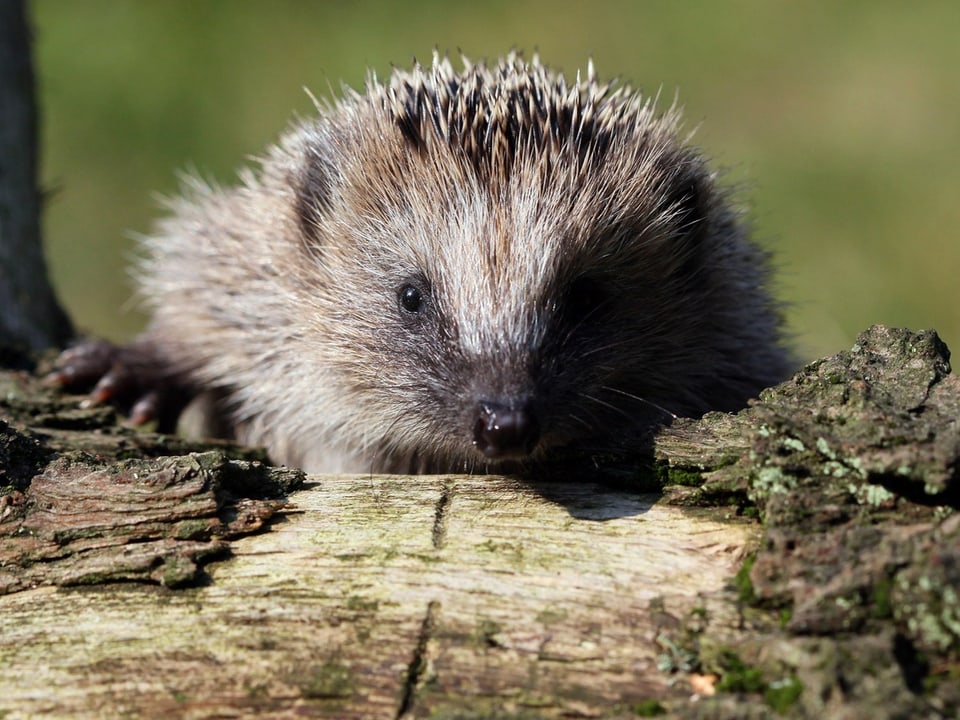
457, 270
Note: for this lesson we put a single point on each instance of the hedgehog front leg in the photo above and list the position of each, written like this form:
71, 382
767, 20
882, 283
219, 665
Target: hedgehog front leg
132, 377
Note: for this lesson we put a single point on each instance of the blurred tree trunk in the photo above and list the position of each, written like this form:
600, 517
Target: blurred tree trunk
30, 316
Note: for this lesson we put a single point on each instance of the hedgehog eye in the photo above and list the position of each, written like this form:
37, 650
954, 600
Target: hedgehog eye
411, 299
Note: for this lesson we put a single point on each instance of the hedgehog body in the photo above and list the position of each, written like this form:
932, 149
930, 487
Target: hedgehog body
461, 269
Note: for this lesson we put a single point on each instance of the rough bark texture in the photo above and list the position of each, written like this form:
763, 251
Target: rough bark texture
30, 316
799, 559
852, 600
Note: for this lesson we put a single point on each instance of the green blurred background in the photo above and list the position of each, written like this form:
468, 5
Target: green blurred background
841, 120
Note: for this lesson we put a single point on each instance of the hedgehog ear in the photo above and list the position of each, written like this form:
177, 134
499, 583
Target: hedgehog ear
314, 188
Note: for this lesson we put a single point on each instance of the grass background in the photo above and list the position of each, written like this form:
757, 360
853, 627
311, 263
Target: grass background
840, 119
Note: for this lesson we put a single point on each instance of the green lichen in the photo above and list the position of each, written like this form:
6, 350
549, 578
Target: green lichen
882, 605
485, 633
512, 552
529, 699
927, 626
772, 480
933, 615
932, 489
178, 571
192, 529
794, 444
362, 604
648, 708
329, 681
744, 585
824, 449
874, 495
551, 616
951, 609
482, 709
684, 477
835, 469
675, 657
257, 691
845, 603
856, 464
781, 695
380, 556
739, 677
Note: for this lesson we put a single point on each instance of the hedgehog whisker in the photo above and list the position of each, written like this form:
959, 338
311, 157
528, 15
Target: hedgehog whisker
607, 405
602, 348
643, 400
580, 420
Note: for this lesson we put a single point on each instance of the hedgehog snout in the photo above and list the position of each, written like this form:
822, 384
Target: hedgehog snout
505, 430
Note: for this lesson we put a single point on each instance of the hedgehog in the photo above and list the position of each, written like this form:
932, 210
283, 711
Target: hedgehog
454, 271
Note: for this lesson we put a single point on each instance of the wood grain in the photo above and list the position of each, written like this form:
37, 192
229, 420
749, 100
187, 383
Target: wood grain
384, 597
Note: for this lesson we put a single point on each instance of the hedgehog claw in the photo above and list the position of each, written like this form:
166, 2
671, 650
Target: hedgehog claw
125, 376
83, 364
145, 409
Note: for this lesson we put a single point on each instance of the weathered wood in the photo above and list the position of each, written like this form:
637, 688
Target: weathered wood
503, 597
381, 594
83, 522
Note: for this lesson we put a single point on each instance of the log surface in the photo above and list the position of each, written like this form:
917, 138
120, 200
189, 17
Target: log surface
798, 559
381, 597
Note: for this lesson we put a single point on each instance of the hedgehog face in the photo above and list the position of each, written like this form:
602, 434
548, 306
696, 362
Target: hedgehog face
493, 264
492, 315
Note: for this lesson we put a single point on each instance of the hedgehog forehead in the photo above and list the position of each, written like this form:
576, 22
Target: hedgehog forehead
494, 184
491, 273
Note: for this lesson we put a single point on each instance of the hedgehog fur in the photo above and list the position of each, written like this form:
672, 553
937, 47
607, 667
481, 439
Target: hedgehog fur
463, 270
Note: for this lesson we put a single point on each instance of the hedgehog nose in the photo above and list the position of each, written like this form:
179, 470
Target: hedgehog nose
506, 431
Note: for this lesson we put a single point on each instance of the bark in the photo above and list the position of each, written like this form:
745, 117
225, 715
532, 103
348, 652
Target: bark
798, 559
30, 316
